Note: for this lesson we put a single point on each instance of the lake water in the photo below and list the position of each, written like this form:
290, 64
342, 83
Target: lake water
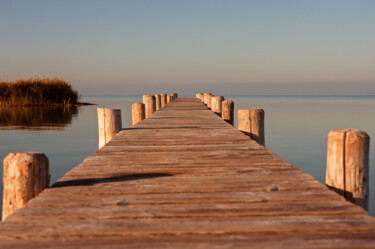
296, 128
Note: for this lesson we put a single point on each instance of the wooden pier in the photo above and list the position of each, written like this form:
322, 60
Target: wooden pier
184, 178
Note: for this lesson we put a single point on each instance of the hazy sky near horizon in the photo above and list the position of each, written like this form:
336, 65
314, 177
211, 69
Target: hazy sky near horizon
226, 47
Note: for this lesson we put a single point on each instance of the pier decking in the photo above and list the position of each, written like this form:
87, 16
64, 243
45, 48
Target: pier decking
184, 178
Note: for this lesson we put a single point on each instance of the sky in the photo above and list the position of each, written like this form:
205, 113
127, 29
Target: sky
225, 47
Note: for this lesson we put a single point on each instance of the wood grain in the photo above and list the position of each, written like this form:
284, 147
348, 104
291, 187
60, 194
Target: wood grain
185, 178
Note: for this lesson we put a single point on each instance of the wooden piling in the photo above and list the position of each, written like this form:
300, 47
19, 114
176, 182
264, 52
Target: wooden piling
109, 124
348, 165
138, 112
168, 99
257, 125
227, 110
216, 104
163, 98
150, 104
25, 175
174, 96
243, 118
199, 96
207, 99
251, 122
157, 101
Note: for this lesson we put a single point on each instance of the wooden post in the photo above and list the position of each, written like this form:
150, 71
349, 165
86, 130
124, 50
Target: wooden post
201, 97
109, 123
157, 101
25, 175
251, 122
198, 95
207, 99
174, 96
163, 97
138, 112
348, 165
150, 104
243, 116
169, 99
257, 125
227, 109
216, 104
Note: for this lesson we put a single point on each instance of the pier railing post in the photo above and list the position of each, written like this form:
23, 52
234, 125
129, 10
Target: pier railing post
138, 112
227, 110
251, 122
109, 124
150, 104
25, 175
163, 98
348, 165
157, 101
216, 104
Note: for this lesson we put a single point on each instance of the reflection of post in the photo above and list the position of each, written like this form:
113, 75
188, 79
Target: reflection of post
138, 112
348, 164
25, 175
109, 123
216, 104
163, 97
150, 104
251, 122
227, 111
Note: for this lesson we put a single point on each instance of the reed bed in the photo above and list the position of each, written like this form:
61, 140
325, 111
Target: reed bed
37, 91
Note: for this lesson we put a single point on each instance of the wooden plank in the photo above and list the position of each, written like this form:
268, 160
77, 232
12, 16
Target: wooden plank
32, 229
184, 178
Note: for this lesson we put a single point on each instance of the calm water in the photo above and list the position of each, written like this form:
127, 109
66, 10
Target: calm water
296, 129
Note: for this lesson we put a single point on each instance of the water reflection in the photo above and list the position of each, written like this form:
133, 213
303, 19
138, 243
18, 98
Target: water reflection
36, 118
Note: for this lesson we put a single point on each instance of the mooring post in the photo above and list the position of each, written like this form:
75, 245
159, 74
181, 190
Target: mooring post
150, 104
25, 175
157, 101
348, 165
138, 112
174, 96
251, 122
201, 97
227, 110
257, 125
216, 104
243, 118
198, 95
109, 124
163, 98
207, 99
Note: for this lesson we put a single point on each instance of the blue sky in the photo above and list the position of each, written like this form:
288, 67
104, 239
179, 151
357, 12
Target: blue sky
226, 47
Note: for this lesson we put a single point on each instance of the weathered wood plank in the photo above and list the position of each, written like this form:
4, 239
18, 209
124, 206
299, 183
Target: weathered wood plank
184, 178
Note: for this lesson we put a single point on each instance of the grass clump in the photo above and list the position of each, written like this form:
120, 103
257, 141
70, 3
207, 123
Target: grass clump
37, 91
